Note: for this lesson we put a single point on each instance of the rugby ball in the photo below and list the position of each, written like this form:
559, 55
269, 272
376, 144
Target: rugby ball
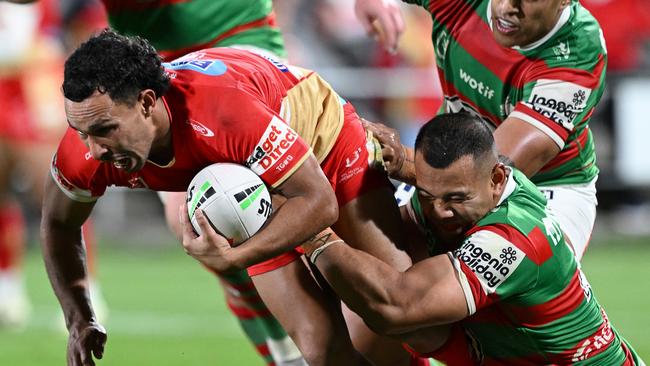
233, 198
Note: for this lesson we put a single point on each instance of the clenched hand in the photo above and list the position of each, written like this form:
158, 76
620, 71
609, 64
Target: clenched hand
85, 341
209, 248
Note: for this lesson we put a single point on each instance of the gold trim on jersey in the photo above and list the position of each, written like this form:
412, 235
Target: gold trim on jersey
168, 165
290, 172
313, 109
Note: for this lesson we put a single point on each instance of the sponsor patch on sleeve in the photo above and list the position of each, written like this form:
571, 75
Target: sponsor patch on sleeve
491, 258
559, 101
278, 153
197, 61
73, 192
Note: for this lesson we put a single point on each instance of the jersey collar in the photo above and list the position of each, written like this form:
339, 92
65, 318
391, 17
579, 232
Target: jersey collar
168, 165
564, 18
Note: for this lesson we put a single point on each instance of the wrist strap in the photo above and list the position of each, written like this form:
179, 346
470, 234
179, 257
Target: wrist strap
319, 250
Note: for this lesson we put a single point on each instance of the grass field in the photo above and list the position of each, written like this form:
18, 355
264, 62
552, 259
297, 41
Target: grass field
165, 310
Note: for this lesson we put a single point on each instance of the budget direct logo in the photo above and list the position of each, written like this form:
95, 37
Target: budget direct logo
272, 147
492, 261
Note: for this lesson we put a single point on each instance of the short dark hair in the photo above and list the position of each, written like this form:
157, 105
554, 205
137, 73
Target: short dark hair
115, 64
448, 137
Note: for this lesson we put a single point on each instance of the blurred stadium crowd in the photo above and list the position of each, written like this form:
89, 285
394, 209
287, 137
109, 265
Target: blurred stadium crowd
399, 89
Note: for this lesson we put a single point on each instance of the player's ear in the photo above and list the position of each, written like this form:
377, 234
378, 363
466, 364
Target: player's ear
499, 178
147, 99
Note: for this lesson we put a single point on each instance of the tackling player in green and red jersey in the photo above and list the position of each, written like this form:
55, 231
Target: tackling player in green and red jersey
499, 285
534, 70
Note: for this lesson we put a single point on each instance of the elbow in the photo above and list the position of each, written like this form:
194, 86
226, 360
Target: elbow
328, 208
331, 213
384, 320
392, 312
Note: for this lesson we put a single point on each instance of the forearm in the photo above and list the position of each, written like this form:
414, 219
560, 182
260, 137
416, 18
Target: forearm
367, 285
391, 302
293, 223
65, 261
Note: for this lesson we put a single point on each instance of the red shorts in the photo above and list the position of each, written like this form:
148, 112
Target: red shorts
16, 121
31, 105
348, 171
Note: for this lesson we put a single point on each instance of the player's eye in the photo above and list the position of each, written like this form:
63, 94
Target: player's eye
457, 199
103, 131
424, 197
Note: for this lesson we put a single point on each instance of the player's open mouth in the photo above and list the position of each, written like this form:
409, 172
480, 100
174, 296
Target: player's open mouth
122, 163
451, 226
505, 26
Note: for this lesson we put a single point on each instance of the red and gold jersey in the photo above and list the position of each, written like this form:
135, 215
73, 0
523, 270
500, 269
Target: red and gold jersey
225, 105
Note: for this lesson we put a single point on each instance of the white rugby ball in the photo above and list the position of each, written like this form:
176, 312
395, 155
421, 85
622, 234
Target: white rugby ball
234, 199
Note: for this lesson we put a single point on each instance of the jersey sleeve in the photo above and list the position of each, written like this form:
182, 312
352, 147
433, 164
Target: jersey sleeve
558, 98
254, 135
75, 171
491, 267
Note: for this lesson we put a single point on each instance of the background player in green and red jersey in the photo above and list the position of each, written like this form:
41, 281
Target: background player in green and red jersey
176, 28
499, 284
534, 70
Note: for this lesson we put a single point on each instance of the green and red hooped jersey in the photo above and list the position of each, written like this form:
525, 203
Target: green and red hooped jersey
553, 84
177, 27
529, 302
